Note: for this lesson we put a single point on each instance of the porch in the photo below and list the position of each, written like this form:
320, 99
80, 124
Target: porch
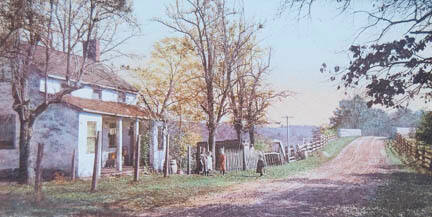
119, 140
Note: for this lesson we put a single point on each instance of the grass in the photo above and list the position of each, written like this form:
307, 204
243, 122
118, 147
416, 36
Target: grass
405, 192
121, 196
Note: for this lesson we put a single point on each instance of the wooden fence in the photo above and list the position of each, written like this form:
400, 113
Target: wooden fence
234, 157
413, 151
273, 158
315, 144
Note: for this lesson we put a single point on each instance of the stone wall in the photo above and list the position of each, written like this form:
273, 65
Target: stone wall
57, 128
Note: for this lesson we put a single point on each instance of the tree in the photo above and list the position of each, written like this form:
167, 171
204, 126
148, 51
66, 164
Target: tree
31, 23
166, 90
424, 131
354, 113
393, 72
164, 83
405, 118
259, 97
219, 35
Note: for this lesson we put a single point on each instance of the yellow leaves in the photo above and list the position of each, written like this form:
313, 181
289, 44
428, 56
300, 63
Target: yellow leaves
169, 78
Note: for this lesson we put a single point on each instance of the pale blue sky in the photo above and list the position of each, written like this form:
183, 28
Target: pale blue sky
298, 50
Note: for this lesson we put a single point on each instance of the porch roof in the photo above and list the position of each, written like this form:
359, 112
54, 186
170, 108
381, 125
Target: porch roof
107, 108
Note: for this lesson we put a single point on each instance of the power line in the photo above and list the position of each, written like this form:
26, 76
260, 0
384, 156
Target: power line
288, 145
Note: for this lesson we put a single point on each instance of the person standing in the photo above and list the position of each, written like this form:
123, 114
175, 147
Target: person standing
209, 163
222, 162
260, 164
203, 161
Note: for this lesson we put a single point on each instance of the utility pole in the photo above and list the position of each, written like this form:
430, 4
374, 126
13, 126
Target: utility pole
288, 145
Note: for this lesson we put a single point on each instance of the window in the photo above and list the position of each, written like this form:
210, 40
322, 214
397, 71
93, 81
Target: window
160, 138
91, 136
5, 72
112, 135
7, 131
97, 93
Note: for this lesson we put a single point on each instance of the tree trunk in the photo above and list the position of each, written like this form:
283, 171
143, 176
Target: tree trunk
252, 135
212, 143
238, 129
26, 171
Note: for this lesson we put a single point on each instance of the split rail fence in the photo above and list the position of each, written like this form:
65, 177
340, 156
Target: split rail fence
413, 151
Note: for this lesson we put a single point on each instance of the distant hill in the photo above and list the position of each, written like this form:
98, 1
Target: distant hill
296, 133
226, 131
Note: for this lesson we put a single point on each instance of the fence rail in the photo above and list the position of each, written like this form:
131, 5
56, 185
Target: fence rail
413, 151
315, 144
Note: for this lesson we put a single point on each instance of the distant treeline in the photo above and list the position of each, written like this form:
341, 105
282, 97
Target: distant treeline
355, 113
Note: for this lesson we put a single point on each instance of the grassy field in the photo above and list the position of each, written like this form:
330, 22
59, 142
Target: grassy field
407, 192
404, 192
121, 195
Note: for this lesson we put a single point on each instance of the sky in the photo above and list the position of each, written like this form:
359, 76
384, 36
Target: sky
299, 47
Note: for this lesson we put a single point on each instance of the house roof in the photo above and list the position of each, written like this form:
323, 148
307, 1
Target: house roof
107, 108
95, 73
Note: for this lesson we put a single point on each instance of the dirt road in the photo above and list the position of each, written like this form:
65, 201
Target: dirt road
344, 182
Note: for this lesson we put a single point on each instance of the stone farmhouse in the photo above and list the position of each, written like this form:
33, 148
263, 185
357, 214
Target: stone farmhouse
106, 103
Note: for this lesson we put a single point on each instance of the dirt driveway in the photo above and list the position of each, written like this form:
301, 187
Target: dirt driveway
344, 182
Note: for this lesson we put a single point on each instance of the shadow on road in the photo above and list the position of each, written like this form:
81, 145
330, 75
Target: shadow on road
398, 193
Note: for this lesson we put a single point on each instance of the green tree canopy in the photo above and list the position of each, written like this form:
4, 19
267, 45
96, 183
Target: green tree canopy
424, 131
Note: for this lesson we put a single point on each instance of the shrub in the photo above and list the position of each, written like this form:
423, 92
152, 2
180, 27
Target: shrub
424, 130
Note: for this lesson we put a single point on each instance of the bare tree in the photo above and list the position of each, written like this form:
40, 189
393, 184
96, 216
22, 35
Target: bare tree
33, 26
219, 35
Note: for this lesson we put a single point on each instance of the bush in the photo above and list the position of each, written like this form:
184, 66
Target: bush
424, 130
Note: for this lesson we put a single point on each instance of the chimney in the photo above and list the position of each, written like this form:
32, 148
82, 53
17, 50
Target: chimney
93, 49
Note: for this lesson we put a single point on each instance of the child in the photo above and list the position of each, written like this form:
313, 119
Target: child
260, 165
209, 163
222, 162
203, 161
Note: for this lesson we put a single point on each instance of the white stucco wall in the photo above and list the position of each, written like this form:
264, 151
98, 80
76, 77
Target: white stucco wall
109, 95
53, 85
86, 160
404, 131
349, 132
85, 92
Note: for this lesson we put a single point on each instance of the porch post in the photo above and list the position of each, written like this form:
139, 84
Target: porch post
119, 144
136, 135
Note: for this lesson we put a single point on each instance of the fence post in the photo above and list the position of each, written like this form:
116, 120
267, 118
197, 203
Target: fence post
73, 166
188, 160
96, 163
38, 184
244, 166
137, 158
166, 171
